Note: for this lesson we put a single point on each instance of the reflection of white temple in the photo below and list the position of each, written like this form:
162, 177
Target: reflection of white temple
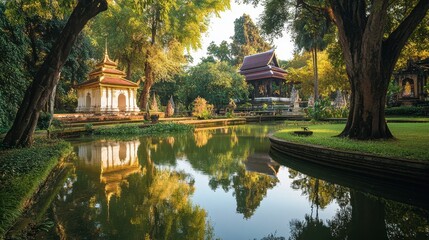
115, 161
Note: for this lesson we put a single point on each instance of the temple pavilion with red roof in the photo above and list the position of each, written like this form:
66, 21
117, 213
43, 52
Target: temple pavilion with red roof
268, 79
106, 90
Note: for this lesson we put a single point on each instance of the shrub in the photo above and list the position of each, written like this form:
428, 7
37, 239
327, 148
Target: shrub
169, 112
22, 170
88, 127
44, 120
319, 110
407, 111
160, 128
323, 109
201, 109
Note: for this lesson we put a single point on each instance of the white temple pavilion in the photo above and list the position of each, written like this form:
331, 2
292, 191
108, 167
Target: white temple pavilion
107, 91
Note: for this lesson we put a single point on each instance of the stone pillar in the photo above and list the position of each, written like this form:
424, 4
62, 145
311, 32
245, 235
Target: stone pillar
114, 100
102, 99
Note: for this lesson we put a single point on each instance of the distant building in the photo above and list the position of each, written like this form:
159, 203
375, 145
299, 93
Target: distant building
263, 72
411, 81
107, 91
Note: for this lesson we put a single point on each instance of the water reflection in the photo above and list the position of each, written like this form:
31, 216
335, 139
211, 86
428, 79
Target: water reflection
232, 160
115, 160
360, 215
114, 195
223, 183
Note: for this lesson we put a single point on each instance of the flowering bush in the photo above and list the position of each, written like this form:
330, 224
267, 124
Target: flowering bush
201, 109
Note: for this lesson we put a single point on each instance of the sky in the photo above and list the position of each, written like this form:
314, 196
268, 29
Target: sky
222, 28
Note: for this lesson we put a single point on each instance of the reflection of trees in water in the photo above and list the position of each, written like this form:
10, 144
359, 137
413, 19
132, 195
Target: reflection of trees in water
360, 216
221, 158
202, 138
249, 190
154, 204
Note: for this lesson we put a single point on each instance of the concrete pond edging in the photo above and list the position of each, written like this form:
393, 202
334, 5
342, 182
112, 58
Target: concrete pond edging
399, 170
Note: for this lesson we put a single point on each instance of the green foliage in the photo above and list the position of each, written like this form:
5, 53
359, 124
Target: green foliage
44, 120
89, 127
392, 90
411, 140
160, 128
331, 77
323, 109
220, 53
246, 40
22, 171
216, 82
407, 111
320, 109
201, 109
264, 106
14, 78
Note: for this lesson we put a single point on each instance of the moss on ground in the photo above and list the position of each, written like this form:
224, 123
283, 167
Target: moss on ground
412, 140
22, 171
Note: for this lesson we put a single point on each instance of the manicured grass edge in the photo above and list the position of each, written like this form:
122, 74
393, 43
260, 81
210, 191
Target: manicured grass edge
23, 172
403, 170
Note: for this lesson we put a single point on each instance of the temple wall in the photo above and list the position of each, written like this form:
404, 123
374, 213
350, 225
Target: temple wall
107, 99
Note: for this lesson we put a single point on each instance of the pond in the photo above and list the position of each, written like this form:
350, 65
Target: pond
221, 184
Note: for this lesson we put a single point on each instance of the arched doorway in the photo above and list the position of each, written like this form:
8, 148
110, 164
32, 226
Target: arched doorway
122, 102
88, 102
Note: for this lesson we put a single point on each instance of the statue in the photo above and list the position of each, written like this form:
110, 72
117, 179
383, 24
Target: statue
407, 90
311, 101
293, 95
297, 100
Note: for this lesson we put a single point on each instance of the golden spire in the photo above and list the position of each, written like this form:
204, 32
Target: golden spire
105, 48
106, 58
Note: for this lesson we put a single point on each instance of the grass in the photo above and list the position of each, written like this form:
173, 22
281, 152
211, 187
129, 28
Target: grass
406, 118
412, 140
22, 170
132, 129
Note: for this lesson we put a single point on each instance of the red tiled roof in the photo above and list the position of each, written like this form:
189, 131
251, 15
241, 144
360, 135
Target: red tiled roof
118, 81
107, 70
92, 81
102, 72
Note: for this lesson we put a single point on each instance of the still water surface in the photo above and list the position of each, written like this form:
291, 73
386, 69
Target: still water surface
220, 183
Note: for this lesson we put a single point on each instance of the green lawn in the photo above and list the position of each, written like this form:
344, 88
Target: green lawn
412, 140
22, 170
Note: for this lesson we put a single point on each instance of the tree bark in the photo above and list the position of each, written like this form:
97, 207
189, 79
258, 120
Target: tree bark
316, 74
37, 94
370, 60
144, 96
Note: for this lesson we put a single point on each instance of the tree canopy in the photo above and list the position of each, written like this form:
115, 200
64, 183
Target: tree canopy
372, 36
216, 82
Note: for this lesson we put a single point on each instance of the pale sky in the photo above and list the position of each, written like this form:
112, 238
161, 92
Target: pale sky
222, 28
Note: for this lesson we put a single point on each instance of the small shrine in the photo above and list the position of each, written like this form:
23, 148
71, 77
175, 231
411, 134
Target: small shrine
267, 78
411, 81
106, 90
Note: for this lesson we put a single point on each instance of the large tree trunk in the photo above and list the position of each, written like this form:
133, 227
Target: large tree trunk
316, 74
149, 79
370, 60
37, 94
144, 96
